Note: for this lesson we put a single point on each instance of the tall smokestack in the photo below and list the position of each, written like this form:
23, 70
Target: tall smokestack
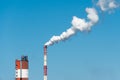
45, 62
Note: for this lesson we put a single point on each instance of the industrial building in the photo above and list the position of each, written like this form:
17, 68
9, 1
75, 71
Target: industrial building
21, 68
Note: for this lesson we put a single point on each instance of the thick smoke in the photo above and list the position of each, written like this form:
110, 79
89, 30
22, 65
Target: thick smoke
106, 5
77, 24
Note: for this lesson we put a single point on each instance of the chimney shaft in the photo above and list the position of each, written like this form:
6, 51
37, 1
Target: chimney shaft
45, 62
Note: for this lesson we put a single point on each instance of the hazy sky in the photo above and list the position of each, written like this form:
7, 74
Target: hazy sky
25, 25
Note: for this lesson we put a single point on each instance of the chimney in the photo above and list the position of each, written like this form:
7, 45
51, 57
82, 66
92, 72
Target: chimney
45, 62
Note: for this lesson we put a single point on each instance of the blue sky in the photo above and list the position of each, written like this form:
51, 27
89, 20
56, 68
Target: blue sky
25, 25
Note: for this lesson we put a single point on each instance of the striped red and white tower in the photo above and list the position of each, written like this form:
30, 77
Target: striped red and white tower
45, 62
22, 68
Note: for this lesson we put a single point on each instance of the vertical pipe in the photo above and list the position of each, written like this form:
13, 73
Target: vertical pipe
45, 62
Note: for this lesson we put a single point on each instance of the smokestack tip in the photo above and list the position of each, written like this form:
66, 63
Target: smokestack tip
45, 46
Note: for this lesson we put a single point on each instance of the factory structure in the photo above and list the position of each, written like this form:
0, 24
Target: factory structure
21, 68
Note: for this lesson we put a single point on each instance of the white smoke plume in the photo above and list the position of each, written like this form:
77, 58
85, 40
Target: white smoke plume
77, 24
106, 5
